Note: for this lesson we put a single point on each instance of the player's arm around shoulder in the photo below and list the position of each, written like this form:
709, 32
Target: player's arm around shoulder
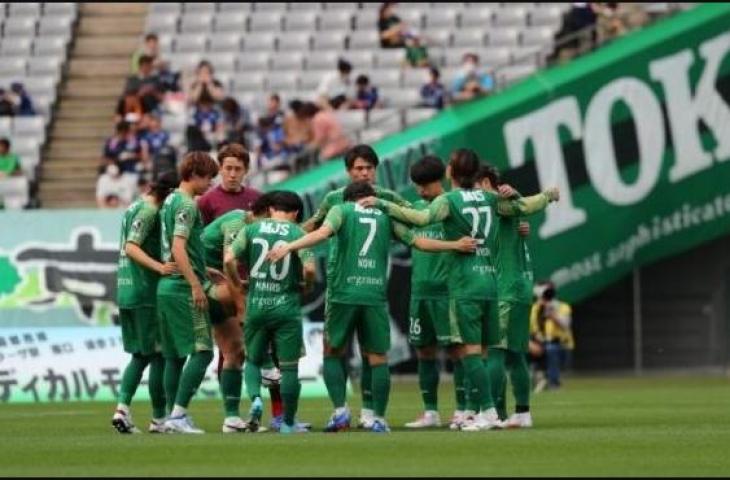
527, 205
331, 224
437, 211
310, 224
409, 237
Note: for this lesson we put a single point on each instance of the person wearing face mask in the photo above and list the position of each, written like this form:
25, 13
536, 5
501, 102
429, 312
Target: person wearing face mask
471, 81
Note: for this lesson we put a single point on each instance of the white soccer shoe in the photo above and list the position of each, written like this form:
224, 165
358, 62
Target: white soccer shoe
367, 419
157, 426
519, 420
457, 420
486, 420
429, 419
234, 425
122, 421
270, 376
182, 424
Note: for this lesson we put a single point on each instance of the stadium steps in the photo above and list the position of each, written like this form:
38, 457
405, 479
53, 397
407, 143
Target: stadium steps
99, 62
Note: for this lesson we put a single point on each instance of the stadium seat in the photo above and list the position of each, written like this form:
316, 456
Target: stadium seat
225, 42
300, 21
6, 126
310, 80
324, 60
16, 47
49, 46
305, 7
196, 22
514, 73
162, 24
249, 82
503, 37
547, 17
510, 17
297, 41
400, 97
66, 9
335, 20
477, 16
13, 66
412, 18
329, 41
388, 78
441, 18
360, 60
165, 8
24, 9
472, 37
416, 115
538, 36
265, 21
49, 26
31, 127
276, 83
349, 6
269, 7
252, 61
224, 62
233, 22
21, 26
364, 40
494, 56
287, 61
351, 120
202, 8
415, 77
366, 20
191, 43
259, 42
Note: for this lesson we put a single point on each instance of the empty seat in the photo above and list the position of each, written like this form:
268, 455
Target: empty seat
366, 20
6, 126
165, 8
388, 78
199, 7
33, 127
364, 40
547, 17
252, 61
472, 37
447, 18
225, 42
184, 61
283, 82
534, 54
305, 7
494, 56
514, 73
298, 41
13, 66
540, 36
351, 120
389, 58
329, 41
266, 21
335, 20
324, 60
39, 86
415, 77
54, 26
349, 6
16, 47
67, 9
223, 62
503, 37
257, 42
360, 60
400, 97
196, 22
23, 26
300, 21
24, 9
269, 6
416, 115
477, 17
251, 82
287, 61
49, 46
162, 24
437, 37
191, 43
510, 17
230, 22
310, 80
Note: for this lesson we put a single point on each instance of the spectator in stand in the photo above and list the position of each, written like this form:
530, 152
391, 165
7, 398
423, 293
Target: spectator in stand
366, 95
433, 93
416, 52
580, 16
9, 162
297, 128
336, 84
115, 189
273, 109
209, 121
271, 151
7, 105
205, 87
153, 140
24, 104
146, 83
616, 19
123, 148
230, 194
392, 29
328, 136
129, 103
14, 188
150, 48
236, 122
471, 82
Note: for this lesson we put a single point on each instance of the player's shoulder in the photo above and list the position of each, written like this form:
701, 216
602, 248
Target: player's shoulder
335, 197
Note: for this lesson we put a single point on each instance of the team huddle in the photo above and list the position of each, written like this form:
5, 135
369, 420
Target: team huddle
238, 281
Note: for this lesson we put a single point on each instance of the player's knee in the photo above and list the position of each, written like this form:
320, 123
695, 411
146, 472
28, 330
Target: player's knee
376, 359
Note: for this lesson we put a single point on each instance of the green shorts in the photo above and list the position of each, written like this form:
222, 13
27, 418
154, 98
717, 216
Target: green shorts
184, 329
285, 333
473, 319
430, 324
217, 310
512, 329
140, 333
371, 323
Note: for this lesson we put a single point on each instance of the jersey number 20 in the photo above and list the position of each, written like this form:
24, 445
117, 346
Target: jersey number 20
275, 275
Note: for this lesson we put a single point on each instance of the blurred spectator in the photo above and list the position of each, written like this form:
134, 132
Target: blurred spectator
273, 109
150, 48
236, 122
123, 148
336, 84
153, 140
9, 162
568, 41
433, 93
297, 128
416, 52
24, 104
14, 188
128, 103
271, 151
7, 106
616, 19
115, 189
205, 87
328, 136
470, 81
146, 83
366, 95
391, 27
209, 121
169, 80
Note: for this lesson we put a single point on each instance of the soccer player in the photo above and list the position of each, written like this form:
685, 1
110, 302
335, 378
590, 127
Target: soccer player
508, 338
137, 275
181, 299
361, 163
468, 210
429, 307
274, 310
357, 295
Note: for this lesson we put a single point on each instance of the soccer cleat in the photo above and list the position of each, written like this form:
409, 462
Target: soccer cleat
157, 426
486, 420
380, 426
296, 428
367, 417
181, 424
278, 421
254, 415
338, 422
457, 420
519, 420
270, 376
122, 421
234, 425
429, 419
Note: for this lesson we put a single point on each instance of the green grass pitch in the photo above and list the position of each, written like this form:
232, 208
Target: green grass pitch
668, 426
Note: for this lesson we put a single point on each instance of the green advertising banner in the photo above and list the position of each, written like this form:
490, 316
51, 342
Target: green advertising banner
636, 135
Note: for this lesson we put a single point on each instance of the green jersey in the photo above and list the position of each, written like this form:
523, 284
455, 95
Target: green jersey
136, 285
429, 270
180, 217
469, 212
360, 249
219, 234
273, 287
514, 268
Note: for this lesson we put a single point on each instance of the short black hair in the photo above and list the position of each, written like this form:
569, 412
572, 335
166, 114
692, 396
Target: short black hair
363, 151
287, 201
344, 66
151, 36
488, 171
164, 185
434, 71
362, 80
5, 142
464, 165
260, 207
357, 190
427, 170
122, 126
145, 59
336, 102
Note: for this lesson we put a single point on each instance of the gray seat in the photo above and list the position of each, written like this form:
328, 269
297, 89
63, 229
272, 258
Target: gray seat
16, 47
388, 78
166, 42
351, 120
33, 127
349, 6
510, 17
360, 59
494, 56
477, 16
196, 22
225, 42
371, 135
364, 40
13, 66
503, 37
446, 18
266, 21
437, 37
231, 22
24, 9
296, 41
412, 18
305, 7
329, 41
223, 62
165, 8
324, 60
252, 61
184, 61
161, 24
249, 82
38, 86
335, 20
366, 20
389, 57
49, 46
199, 7
287, 61
514, 73
401, 97
38, 66
283, 82
300, 21
534, 54
309, 80
541, 36
417, 115
61, 9
547, 17
22, 26
269, 7
258, 42
234, 7
471, 37
6, 126
191, 43
415, 77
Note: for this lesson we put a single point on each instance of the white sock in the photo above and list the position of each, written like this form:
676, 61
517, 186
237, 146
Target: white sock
123, 408
231, 419
178, 411
158, 420
340, 410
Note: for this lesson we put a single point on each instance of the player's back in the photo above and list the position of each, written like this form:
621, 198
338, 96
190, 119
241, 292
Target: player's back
135, 282
220, 232
472, 213
514, 268
430, 270
359, 255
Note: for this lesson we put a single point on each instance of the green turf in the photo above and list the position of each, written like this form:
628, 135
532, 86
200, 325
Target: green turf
666, 426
